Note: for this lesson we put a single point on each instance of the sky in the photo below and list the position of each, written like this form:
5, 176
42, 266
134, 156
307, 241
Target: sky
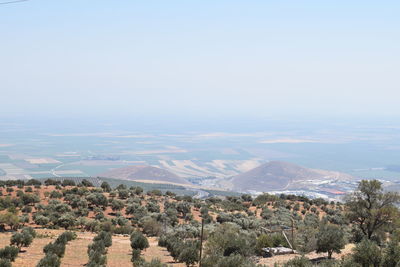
200, 58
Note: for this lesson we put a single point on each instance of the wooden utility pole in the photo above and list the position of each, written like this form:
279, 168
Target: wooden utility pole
201, 241
292, 232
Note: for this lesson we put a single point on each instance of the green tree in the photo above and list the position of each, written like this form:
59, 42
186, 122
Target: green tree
106, 186
229, 239
41, 220
105, 237
139, 241
371, 208
10, 219
30, 231
86, 183
330, 238
21, 239
9, 253
50, 260
190, 253
117, 205
66, 220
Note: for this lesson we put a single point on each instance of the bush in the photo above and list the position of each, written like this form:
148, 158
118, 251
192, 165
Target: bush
9, 253
65, 237
367, 253
298, 262
67, 182
136, 259
263, 241
105, 237
153, 263
229, 239
190, 253
57, 249
150, 226
50, 260
392, 254
30, 231
233, 260
5, 263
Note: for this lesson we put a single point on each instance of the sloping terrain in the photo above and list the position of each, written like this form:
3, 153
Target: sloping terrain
278, 175
144, 173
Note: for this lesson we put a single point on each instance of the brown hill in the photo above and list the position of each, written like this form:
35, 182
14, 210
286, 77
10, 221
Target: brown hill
278, 175
144, 173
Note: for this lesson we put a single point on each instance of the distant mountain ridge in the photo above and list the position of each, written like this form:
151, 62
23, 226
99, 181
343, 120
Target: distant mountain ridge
144, 173
279, 175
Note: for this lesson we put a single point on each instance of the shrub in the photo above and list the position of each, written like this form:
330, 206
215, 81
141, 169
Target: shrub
136, 259
233, 260
50, 260
105, 237
105, 186
29, 230
41, 220
65, 237
9, 253
298, 262
263, 241
153, 263
5, 263
367, 253
57, 249
150, 226
190, 253
67, 182
392, 254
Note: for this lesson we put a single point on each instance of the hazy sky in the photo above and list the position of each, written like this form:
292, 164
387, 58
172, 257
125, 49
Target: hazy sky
200, 57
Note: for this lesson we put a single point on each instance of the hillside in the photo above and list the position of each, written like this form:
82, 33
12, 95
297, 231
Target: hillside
120, 251
144, 173
278, 175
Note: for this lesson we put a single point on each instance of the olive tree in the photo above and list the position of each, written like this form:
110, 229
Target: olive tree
330, 238
370, 208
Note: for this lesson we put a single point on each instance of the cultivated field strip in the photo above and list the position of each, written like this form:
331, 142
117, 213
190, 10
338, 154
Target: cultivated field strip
76, 251
120, 252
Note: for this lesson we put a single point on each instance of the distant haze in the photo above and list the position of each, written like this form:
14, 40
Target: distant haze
200, 58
